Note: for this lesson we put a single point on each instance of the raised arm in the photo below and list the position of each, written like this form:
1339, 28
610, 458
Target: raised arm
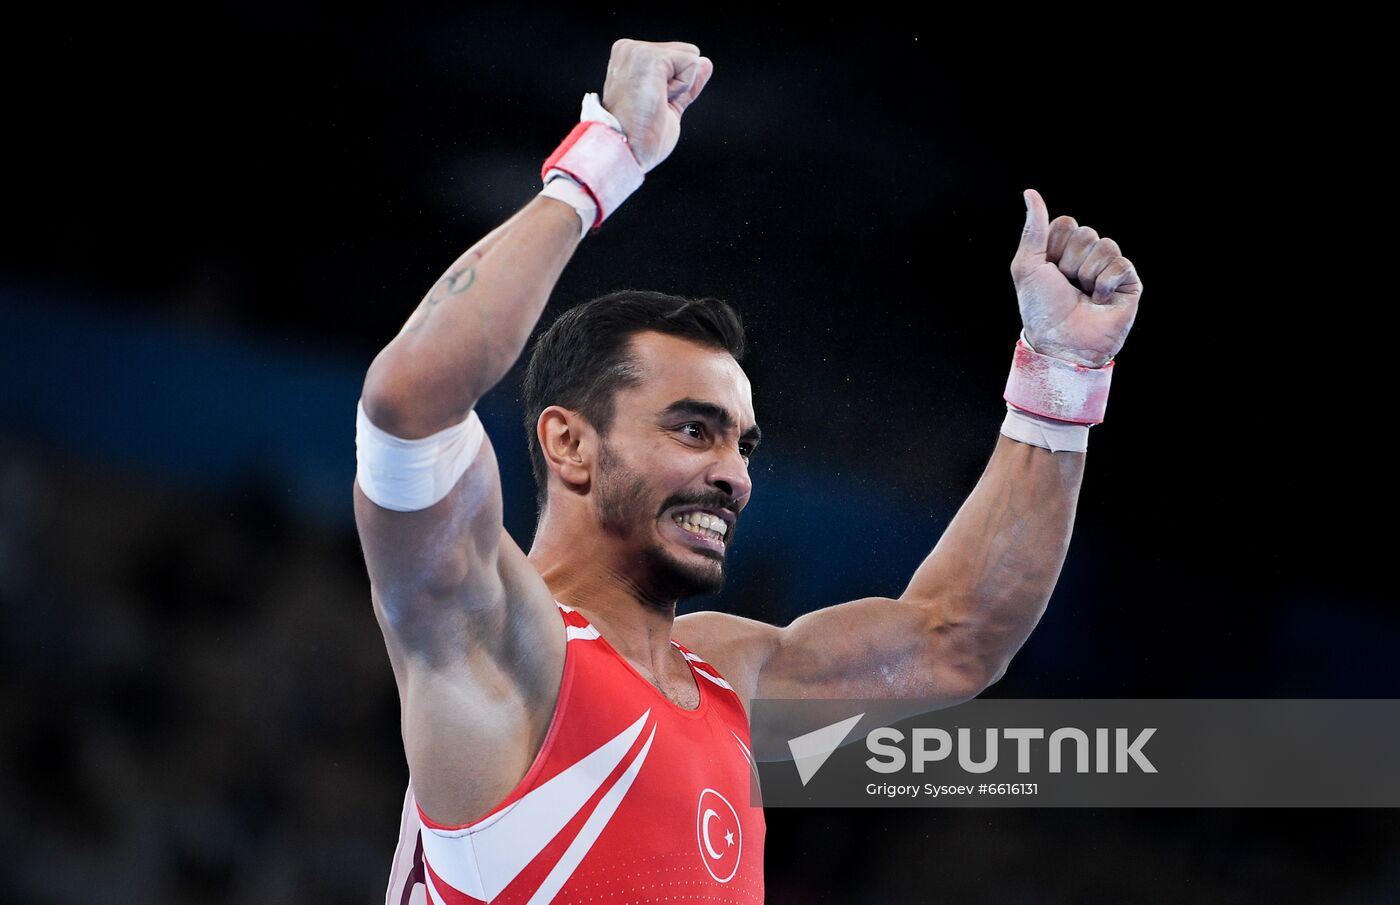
975, 599
988, 580
462, 610
433, 545
430, 564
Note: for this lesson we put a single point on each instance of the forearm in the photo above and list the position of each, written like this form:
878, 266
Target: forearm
990, 576
473, 324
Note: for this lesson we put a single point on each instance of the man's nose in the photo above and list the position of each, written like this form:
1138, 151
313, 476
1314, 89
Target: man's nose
731, 475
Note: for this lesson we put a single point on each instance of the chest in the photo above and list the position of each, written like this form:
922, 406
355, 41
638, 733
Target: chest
680, 688
673, 758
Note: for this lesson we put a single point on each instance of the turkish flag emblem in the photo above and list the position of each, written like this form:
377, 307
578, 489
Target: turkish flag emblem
718, 833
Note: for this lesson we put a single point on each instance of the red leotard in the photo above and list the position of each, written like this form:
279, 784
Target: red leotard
631, 798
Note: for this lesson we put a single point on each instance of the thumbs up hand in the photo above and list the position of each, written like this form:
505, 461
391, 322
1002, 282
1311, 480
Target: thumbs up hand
1078, 295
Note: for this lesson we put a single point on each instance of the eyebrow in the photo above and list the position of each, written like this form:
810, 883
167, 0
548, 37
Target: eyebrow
717, 413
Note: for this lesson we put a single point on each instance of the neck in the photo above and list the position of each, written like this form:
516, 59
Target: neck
590, 572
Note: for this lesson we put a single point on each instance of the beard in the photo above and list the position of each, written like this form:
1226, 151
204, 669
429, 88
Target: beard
623, 510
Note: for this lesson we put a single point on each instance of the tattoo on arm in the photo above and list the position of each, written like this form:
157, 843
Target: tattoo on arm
453, 283
456, 281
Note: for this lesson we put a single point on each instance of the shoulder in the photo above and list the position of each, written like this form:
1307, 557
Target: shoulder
737, 647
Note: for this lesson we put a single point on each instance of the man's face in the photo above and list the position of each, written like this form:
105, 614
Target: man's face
671, 452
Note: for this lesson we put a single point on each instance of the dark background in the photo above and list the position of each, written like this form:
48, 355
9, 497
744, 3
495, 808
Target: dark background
214, 221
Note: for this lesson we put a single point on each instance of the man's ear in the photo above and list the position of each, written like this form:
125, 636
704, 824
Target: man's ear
568, 442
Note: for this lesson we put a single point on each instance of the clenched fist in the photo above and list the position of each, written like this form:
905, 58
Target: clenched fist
648, 87
1077, 293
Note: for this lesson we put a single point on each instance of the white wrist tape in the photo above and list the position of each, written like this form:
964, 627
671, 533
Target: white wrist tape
563, 187
596, 158
1056, 436
408, 475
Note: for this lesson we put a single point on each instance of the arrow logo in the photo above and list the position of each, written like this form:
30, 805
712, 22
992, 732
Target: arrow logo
810, 751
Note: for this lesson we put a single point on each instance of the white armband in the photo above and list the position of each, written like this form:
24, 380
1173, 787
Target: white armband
1056, 436
408, 475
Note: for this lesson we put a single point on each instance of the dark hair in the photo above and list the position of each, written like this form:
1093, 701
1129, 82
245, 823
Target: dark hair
582, 360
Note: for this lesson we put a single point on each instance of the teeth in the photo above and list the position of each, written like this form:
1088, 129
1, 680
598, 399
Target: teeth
703, 524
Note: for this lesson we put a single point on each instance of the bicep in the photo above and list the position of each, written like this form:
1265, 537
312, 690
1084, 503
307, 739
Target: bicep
880, 659
886, 659
476, 642
441, 576
874, 648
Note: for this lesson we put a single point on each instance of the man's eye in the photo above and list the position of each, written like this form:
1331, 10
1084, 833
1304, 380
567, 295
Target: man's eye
746, 449
695, 424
